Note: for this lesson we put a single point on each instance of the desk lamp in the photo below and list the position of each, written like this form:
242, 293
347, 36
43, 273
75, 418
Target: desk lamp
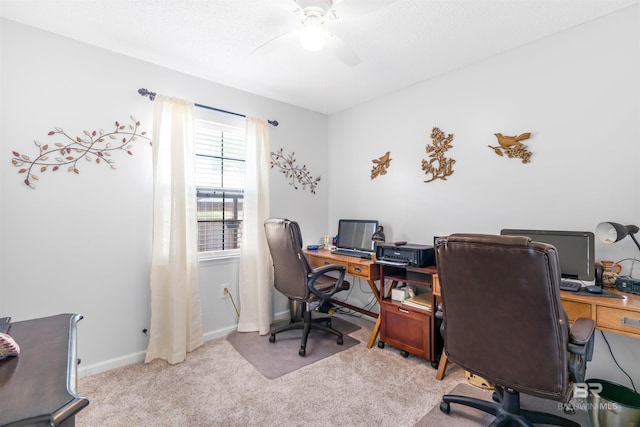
611, 232
379, 236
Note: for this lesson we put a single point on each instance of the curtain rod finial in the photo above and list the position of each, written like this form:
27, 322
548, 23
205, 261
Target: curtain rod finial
145, 92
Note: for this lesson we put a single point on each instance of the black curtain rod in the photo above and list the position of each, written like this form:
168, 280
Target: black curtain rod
152, 95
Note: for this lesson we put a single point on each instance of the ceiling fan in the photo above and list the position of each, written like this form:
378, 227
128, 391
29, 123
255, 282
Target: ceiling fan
312, 15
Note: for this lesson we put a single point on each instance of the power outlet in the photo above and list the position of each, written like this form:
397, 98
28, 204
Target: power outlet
224, 288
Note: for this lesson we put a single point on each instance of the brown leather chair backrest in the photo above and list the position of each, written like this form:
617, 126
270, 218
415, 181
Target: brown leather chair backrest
290, 266
503, 317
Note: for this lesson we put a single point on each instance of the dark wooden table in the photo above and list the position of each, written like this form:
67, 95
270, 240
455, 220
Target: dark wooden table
37, 388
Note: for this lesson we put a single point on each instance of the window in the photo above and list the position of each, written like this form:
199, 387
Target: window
220, 170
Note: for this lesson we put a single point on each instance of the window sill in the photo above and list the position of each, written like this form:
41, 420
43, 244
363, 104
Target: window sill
210, 259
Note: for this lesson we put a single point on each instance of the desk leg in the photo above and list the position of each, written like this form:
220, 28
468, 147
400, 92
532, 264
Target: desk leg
376, 327
442, 367
374, 333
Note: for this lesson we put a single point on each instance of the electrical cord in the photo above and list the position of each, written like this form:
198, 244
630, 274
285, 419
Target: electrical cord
372, 302
633, 262
616, 362
344, 298
366, 290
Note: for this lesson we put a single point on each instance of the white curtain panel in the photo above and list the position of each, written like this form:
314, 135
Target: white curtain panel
176, 313
256, 270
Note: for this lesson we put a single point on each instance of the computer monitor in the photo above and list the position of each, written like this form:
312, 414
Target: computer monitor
575, 250
356, 234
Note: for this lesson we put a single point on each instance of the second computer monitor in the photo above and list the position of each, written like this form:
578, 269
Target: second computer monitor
575, 250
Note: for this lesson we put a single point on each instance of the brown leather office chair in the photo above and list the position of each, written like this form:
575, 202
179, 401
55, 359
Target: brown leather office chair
298, 281
503, 321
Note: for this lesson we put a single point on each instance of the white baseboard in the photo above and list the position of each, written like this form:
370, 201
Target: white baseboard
218, 333
107, 365
138, 357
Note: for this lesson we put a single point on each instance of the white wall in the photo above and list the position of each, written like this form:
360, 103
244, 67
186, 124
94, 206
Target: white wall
577, 92
82, 243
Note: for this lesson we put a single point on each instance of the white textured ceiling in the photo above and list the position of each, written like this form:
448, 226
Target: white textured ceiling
399, 44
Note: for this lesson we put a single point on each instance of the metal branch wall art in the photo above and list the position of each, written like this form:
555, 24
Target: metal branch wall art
380, 165
94, 146
438, 166
297, 174
512, 146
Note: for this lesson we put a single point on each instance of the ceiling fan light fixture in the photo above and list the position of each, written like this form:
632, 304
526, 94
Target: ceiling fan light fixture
312, 37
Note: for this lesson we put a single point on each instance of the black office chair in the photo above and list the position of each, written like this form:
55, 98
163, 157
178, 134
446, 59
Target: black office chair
298, 281
503, 321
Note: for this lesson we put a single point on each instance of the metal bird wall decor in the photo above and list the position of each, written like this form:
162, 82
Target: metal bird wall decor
380, 165
512, 147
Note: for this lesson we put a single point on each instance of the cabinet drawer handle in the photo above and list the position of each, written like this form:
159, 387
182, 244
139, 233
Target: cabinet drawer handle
326, 263
357, 269
630, 321
403, 310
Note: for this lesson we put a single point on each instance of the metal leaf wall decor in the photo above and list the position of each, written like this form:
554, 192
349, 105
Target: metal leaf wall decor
512, 146
94, 146
297, 174
438, 166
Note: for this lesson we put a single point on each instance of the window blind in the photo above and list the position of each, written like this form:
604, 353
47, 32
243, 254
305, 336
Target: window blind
220, 180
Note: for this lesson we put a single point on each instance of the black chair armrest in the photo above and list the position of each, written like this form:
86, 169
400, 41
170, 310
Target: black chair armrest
581, 331
323, 269
580, 347
340, 284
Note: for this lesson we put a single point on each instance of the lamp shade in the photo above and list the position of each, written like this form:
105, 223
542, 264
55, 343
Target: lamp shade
611, 232
379, 236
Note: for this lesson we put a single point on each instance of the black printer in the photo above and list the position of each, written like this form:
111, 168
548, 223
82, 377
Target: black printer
409, 254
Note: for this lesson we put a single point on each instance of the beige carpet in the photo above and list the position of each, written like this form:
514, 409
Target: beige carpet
281, 357
464, 416
216, 386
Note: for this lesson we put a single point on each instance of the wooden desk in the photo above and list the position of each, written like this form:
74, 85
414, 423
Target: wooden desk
37, 388
620, 316
357, 267
616, 315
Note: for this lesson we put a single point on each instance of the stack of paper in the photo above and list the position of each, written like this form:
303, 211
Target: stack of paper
421, 301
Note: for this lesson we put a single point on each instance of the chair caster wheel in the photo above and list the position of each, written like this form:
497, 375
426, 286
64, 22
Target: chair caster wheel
340, 341
380, 344
434, 364
445, 407
272, 338
302, 352
404, 353
569, 409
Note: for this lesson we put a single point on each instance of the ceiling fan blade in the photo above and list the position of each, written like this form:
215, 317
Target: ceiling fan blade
342, 51
349, 8
274, 43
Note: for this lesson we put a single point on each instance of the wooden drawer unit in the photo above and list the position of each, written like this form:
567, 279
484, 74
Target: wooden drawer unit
355, 269
355, 266
576, 309
406, 328
319, 261
618, 320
